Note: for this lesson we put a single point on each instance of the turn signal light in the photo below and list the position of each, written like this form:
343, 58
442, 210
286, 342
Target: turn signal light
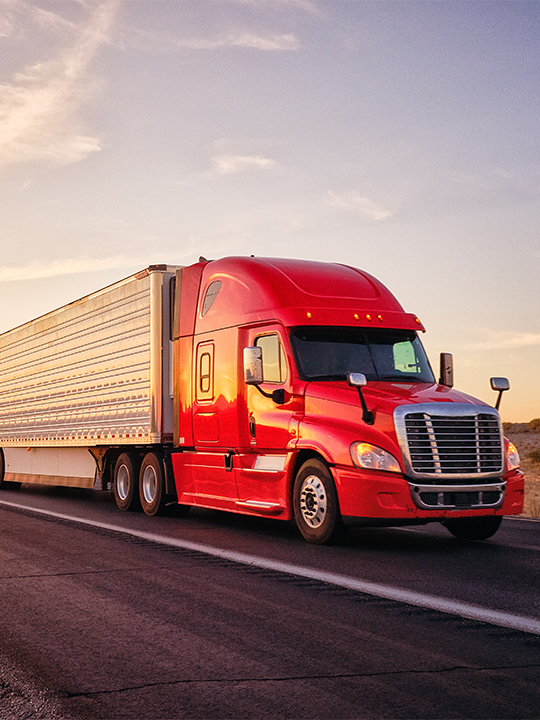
512, 455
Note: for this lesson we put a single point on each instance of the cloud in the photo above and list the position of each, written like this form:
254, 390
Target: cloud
268, 43
264, 5
258, 42
6, 26
38, 108
502, 340
68, 266
354, 201
229, 164
52, 21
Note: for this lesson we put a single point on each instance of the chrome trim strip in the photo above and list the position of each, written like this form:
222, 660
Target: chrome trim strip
442, 490
261, 506
270, 463
259, 470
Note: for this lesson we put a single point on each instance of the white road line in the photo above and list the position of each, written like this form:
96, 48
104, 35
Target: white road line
453, 607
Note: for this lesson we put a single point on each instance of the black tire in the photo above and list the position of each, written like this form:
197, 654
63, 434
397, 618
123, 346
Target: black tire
152, 485
475, 528
6, 484
126, 482
316, 506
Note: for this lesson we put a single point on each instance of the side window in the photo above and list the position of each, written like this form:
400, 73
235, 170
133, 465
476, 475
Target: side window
405, 359
204, 373
274, 362
211, 295
204, 377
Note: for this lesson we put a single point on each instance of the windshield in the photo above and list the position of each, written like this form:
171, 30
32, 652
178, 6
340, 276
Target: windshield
331, 353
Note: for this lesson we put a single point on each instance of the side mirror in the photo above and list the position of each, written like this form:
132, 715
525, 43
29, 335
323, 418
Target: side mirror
253, 374
253, 367
499, 384
446, 370
359, 380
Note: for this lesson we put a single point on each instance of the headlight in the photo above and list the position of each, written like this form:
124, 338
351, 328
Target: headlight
372, 457
512, 455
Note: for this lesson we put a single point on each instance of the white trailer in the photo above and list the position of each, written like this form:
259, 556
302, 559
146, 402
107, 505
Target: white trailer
88, 382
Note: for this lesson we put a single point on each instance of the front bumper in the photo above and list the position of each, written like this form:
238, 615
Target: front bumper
375, 494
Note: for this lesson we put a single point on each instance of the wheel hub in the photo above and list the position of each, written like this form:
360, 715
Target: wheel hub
313, 501
149, 484
122, 482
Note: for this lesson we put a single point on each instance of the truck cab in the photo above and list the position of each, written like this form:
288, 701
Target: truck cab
302, 391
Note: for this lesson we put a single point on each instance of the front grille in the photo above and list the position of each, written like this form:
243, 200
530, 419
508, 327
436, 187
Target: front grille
447, 445
450, 440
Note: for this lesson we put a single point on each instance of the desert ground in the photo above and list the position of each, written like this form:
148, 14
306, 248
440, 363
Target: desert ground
527, 441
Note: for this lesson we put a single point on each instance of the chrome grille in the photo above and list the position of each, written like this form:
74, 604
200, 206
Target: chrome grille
450, 440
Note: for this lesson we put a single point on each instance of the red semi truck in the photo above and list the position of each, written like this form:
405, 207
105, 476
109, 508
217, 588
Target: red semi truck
271, 387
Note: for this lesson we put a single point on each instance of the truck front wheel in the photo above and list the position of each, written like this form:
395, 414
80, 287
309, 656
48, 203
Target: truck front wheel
126, 485
475, 528
151, 485
316, 506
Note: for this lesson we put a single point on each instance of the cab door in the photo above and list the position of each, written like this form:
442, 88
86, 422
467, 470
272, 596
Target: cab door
269, 420
271, 426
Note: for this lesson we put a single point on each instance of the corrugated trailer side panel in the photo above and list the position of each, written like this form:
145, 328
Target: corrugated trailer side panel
90, 373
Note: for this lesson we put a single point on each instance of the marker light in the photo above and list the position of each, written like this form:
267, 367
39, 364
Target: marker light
512, 455
372, 457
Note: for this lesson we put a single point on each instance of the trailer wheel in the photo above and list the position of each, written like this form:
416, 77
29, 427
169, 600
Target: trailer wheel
126, 486
152, 485
316, 506
475, 528
6, 484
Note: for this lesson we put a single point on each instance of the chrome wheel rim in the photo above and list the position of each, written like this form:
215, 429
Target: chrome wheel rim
122, 482
149, 484
313, 501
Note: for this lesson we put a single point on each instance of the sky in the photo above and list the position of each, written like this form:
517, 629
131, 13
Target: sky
399, 137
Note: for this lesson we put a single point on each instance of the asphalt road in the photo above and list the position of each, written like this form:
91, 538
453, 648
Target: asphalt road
97, 623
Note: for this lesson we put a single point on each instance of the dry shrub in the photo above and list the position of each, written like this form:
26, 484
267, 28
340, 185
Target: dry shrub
534, 425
